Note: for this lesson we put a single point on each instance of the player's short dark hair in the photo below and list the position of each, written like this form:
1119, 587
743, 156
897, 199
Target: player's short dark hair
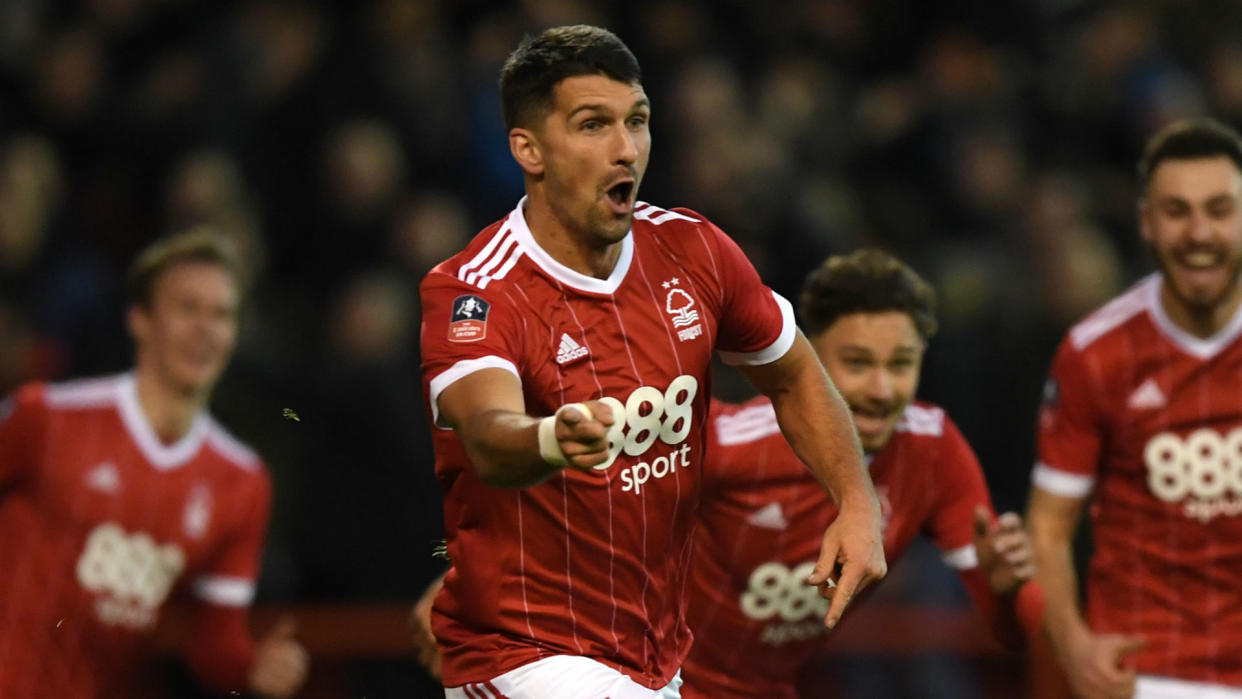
1198, 137
538, 64
867, 281
197, 245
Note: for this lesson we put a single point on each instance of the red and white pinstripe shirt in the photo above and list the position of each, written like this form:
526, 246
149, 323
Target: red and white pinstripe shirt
587, 564
1150, 419
100, 522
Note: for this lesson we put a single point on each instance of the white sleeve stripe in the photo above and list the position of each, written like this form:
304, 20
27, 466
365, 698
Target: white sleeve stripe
963, 558
1058, 482
460, 370
225, 591
774, 351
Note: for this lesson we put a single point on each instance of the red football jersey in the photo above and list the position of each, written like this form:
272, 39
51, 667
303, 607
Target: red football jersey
1150, 418
755, 620
100, 522
589, 564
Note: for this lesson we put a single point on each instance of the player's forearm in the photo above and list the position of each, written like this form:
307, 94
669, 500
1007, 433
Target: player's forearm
503, 447
818, 426
1056, 576
221, 651
1020, 615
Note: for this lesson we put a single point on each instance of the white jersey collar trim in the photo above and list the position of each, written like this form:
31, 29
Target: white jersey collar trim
160, 455
562, 273
1202, 348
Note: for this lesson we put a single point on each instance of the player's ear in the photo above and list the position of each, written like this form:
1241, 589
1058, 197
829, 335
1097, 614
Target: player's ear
139, 323
1144, 218
526, 150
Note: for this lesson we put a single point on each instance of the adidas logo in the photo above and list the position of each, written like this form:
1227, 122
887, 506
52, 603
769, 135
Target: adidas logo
769, 517
1147, 397
569, 350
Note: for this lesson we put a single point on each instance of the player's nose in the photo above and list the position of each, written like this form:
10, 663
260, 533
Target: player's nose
880, 386
626, 149
1199, 227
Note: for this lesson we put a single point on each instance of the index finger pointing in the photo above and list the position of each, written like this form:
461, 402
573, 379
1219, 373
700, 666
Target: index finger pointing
847, 586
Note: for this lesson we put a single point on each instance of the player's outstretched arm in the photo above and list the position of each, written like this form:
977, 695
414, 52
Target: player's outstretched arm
510, 449
1094, 664
817, 424
420, 626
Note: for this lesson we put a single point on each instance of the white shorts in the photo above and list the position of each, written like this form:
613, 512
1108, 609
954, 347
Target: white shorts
1149, 687
563, 677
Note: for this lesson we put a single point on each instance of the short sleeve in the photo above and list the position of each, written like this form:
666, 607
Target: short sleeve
1068, 432
230, 576
23, 424
757, 324
465, 329
962, 488
738, 442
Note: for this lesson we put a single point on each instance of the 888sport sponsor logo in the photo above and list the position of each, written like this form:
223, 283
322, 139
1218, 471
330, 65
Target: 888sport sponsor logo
650, 416
1202, 471
780, 595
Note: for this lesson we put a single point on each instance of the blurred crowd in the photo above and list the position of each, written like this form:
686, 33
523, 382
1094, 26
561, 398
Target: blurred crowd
348, 147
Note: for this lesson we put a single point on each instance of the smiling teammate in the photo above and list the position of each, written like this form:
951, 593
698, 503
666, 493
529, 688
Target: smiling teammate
1143, 414
869, 317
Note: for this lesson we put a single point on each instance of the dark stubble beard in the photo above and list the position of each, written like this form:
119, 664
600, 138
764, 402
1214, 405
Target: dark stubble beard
1200, 308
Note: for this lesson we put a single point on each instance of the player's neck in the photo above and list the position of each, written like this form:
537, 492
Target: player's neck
565, 247
169, 411
1200, 322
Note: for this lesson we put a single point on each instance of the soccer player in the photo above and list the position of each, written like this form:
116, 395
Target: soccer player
869, 316
566, 354
1143, 414
117, 492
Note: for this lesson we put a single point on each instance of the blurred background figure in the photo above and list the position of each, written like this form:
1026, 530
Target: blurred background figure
347, 146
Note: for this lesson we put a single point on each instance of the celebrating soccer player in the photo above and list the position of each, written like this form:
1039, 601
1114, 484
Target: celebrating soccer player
566, 354
869, 316
1143, 412
116, 492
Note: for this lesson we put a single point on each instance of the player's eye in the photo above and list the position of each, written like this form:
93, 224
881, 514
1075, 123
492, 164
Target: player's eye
1222, 209
1176, 210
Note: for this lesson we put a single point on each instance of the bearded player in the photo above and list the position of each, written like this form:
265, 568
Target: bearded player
1142, 417
566, 355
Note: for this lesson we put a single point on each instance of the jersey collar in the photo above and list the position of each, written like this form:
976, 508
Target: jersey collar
563, 274
160, 455
1200, 347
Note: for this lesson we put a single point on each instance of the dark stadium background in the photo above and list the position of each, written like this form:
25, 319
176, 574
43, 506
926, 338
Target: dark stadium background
349, 146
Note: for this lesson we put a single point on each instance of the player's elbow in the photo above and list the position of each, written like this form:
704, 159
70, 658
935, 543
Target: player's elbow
501, 472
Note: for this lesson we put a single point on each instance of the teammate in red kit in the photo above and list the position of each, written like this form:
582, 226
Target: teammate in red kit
869, 317
116, 493
1143, 413
566, 354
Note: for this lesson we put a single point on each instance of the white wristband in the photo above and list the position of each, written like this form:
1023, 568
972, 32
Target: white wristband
549, 445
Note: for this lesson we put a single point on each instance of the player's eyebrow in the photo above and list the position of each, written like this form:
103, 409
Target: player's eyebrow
641, 103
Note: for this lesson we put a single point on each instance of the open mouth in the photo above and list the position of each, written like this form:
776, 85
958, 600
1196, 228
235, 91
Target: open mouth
620, 194
871, 421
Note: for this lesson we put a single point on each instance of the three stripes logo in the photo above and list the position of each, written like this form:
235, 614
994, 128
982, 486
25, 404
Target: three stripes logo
569, 350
